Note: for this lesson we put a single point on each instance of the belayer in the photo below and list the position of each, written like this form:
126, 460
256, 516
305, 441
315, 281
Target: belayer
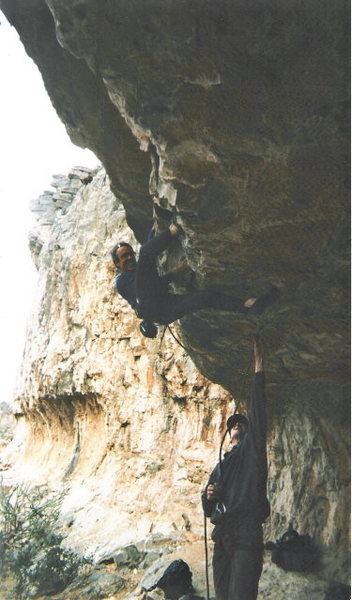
235, 498
147, 292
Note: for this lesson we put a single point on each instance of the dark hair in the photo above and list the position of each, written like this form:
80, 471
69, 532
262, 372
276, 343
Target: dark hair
116, 247
236, 418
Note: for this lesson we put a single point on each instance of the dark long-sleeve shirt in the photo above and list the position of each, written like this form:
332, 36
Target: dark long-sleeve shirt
243, 474
125, 284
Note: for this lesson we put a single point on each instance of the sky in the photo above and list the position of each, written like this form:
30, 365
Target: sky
34, 146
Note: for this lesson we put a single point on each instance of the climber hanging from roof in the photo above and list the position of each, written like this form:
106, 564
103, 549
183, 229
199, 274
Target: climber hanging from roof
147, 292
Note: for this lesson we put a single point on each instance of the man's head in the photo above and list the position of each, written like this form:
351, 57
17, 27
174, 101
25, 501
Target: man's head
237, 426
123, 257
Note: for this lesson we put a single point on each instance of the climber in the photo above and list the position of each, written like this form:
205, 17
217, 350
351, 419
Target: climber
235, 498
147, 292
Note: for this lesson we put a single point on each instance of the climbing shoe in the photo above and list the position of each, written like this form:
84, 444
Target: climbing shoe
148, 329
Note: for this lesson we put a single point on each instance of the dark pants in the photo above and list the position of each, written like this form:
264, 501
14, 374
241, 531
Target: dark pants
238, 563
156, 304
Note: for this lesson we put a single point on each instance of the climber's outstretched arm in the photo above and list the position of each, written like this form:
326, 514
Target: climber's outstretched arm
258, 354
157, 244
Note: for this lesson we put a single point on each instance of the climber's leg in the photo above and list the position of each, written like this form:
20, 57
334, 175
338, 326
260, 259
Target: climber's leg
179, 306
184, 304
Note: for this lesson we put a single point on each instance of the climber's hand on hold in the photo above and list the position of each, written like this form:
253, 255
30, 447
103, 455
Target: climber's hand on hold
174, 230
183, 266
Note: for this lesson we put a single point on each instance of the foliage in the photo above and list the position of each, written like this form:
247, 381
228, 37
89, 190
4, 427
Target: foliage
30, 545
7, 422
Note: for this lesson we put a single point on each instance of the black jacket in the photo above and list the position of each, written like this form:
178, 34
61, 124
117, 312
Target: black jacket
242, 477
125, 284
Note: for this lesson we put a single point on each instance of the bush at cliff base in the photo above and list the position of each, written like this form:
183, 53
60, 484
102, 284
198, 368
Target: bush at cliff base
30, 547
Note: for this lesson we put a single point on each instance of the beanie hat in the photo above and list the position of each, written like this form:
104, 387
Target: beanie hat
236, 418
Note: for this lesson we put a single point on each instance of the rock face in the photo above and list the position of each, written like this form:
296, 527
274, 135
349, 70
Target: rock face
231, 115
129, 425
130, 420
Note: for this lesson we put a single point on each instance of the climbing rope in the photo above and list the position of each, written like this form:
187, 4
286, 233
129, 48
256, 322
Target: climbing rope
206, 555
162, 336
175, 338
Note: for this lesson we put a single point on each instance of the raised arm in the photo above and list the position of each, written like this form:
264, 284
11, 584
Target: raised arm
257, 403
258, 354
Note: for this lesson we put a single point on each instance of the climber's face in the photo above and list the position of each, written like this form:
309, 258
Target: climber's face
238, 432
125, 259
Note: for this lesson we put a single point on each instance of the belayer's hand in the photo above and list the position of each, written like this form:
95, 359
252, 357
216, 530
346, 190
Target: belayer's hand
212, 491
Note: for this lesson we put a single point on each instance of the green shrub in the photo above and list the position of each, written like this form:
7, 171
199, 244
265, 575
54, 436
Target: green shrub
30, 545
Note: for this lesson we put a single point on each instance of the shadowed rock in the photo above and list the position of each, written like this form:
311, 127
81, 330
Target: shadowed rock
233, 116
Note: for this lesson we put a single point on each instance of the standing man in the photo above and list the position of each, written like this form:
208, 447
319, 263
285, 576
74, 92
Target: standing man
235, 498
147, 292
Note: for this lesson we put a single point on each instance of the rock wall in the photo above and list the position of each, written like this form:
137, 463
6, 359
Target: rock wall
234, 116
128, 425
129, 420
229, 117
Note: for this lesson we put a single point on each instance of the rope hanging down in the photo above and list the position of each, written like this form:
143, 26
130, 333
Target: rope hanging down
175, 338
206, 557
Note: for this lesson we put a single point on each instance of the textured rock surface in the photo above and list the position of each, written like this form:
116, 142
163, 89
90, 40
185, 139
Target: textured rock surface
232, 115
129, 425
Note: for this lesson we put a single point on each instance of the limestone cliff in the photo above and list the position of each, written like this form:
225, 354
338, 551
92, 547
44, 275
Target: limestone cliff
232, 116
128, 421
129, 425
